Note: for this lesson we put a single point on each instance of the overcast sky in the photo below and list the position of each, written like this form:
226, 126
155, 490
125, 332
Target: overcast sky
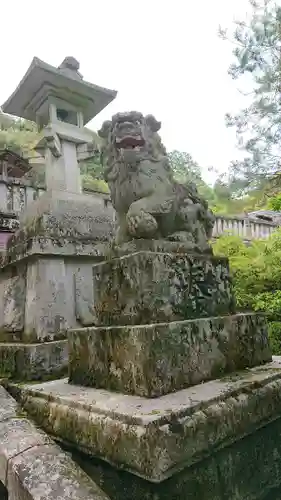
163, 57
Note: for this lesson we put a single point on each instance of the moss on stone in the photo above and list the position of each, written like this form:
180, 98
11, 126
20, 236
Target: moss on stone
165, 445
153, 287
156, 359
6, 336
33, 361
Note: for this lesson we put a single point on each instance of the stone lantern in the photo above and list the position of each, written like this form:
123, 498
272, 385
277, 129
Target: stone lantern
61, 232
61, 103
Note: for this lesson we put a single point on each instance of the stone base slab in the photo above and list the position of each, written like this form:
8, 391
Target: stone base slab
34, 361
156, 287
151, 360
248, 469
155, 438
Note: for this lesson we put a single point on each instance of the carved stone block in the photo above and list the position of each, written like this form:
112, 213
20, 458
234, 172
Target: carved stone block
154, 287
152, 360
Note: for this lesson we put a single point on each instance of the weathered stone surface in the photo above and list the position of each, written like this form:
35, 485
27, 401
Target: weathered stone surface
63, 218
84, 295
148, 287
45, 246
16, 436
252, 468
151, 360
112, 250
14, 303
51, 303
49, 300
44, 472
155, 438
57, 227
148, 201
248, 469
32, 467
8, 406
33, 361
201, 482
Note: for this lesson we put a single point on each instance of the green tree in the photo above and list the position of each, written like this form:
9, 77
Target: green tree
184, 167
92, 171
222, 197
187, 170
21, 136
18, 135
90, 183
257, 51
93, 168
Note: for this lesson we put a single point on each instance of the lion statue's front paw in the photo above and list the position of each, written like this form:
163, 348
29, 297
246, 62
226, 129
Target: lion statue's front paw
142, 225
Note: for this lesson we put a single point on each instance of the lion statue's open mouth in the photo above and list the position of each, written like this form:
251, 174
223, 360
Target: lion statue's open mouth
129, 142
127, 130
147, 200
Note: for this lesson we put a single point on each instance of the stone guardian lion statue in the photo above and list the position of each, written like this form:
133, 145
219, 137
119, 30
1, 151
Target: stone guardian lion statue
149, 203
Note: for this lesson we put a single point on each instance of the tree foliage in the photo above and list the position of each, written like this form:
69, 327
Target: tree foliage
21, 137
257, 277
223, 197
92, 173
18, 135
187, 170
274, 203
257, 52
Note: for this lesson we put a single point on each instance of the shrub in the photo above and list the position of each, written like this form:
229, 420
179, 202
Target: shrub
256, 271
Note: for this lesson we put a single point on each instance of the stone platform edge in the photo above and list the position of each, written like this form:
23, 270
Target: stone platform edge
156, 438
38, 361
33, 466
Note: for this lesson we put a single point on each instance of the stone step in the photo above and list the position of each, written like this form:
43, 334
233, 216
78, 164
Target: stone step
152, 360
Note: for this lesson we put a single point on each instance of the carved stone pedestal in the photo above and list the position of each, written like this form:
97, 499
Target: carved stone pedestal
58, 237
163, 323
161, 286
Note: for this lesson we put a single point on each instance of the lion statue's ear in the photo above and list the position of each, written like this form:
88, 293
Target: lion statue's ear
104, 131
153, 124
